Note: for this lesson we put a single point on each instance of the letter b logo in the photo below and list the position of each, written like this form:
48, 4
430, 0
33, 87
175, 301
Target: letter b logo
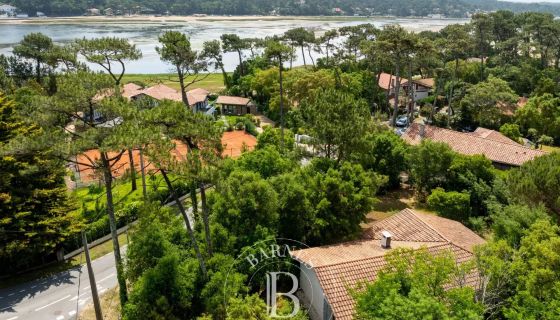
272, 293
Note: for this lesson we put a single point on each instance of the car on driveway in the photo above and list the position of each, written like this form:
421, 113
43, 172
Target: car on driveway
402, 121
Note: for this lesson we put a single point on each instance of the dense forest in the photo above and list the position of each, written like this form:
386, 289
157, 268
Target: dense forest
449, 8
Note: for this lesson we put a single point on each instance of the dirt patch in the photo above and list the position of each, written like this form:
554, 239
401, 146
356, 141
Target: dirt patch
110, 307
391, 203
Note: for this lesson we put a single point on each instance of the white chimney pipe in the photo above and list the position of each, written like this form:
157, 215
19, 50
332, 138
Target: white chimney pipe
386, 239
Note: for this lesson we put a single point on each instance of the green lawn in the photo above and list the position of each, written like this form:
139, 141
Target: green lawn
122, 194
550, 149
213, 83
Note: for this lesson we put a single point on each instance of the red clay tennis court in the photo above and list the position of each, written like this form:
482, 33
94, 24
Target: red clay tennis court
234, 143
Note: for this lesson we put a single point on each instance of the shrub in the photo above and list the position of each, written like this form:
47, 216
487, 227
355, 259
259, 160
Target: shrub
454, 205
511, 131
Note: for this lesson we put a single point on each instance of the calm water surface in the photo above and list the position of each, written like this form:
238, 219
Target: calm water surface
145, 35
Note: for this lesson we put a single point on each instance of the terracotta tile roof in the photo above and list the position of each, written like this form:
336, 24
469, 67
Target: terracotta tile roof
336, 279
428, 82
199, 91
406, 226
453, 231
470, 144
344, 266
130, 90
162, 92
352, 251
492, 135
384, 79
236, 101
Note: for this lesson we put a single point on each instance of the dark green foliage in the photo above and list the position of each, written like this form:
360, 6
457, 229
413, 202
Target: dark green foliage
511, 131
342, 197
385, 154
511, 222
540, 113
164, 292
523, 282
337, 122
414, 286
429, 163
453, 205
537, 182
267, 162
35, 216
270, 137
246, 205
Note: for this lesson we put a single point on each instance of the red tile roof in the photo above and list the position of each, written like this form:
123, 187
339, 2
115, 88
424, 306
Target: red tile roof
427, 82
162, 92
493, 135
385, 77
236, 101
388, 81
344, 266
472, 144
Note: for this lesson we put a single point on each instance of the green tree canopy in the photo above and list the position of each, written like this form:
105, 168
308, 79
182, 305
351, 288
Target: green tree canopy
414, 285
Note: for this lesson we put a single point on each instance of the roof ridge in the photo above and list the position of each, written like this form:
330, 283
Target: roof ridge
383, 256
479, 137
428, 225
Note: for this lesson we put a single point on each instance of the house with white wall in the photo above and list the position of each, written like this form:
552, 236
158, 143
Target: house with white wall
329, 272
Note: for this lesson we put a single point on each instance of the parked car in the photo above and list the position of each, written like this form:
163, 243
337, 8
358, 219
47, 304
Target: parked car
402, 121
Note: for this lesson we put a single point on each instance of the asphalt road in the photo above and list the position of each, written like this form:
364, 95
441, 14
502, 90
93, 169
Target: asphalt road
58, 297
61, 296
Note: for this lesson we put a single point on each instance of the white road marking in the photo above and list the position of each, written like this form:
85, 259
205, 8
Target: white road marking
11, 294
71, 313
107, 277
76, 297
60, 318
33, 287
82, 301
20, 291
12, 318
50, 304
102, 290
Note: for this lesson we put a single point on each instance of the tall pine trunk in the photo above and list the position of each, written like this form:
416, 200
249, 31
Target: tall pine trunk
187, 222
397, 89
205, 218
143, 174
133, 186
108, 180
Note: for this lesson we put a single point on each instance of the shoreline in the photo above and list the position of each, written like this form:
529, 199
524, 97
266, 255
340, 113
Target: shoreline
181, 19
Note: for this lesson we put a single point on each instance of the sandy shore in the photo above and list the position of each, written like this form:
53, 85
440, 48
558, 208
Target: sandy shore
168, 19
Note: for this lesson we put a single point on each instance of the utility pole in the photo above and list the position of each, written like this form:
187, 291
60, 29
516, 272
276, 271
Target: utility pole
92, 283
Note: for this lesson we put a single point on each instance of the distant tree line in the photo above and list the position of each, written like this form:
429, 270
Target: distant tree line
449, 8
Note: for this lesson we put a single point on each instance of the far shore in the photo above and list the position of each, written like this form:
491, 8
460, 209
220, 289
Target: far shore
178, 19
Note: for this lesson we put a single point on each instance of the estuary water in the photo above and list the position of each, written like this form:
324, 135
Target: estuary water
145, 33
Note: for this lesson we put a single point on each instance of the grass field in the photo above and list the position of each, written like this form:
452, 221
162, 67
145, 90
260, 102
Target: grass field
550, 149
213, 83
